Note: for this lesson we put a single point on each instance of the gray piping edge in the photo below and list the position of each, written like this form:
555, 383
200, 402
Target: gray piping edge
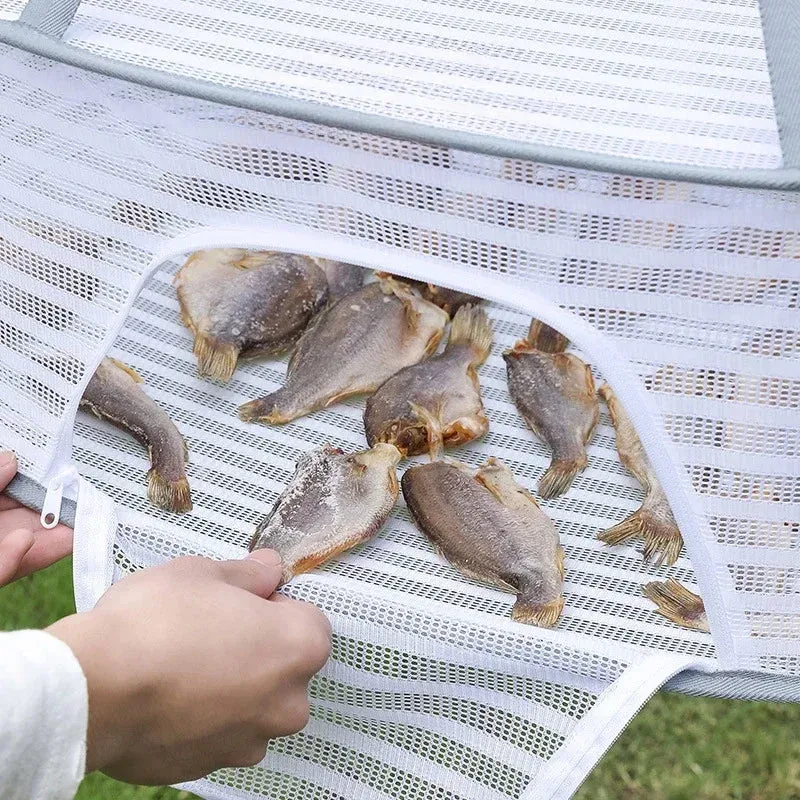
780, 21
734, 685
50, 17
26, 38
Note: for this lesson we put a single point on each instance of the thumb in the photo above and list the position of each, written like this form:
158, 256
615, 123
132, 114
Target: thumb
13, 548
260, 573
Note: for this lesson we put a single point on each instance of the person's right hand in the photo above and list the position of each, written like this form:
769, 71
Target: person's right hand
193, 666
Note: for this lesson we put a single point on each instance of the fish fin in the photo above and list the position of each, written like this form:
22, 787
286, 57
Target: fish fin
497, 478
545, 615
559, 476
546, 339
169, 495
215, 359
472, 327
265, 409
433, 428
678, 604
560, 557
137, 378
662, 540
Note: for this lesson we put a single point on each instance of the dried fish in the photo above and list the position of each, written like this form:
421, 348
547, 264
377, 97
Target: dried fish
352, 348
246, 304
114, 394
653, 521
343, 278
334, 502
436, 403
492, 530
554, 391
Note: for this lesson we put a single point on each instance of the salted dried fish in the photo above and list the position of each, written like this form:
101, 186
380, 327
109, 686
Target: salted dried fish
449, 300
653, 521
492, 530
114, 394
352, 348
678, 604
554, 391
246, 304
343, 278
334, 502
436, 403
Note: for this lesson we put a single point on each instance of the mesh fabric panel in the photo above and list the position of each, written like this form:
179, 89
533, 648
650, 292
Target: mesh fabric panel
11, 9
684, 83
698, 287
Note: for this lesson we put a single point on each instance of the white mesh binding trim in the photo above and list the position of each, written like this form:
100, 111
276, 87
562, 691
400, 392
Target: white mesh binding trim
696, 287
685, 83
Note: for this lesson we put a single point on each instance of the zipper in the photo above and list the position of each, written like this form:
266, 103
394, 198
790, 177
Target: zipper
64, 478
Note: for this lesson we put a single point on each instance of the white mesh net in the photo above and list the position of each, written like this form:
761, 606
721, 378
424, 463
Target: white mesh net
681, 82
432, 688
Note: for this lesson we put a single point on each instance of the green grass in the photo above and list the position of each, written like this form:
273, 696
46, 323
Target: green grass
678, 748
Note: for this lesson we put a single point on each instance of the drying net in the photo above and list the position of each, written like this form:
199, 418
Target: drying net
689, 291
680, 82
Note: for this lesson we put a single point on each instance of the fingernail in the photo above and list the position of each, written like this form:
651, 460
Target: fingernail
6, 457
270, 558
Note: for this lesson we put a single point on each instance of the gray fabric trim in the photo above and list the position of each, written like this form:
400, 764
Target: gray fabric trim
50, 17
24, 37
31, 494
780, 20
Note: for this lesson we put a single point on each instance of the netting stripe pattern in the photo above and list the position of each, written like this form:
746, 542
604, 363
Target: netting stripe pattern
696, 285
689, 85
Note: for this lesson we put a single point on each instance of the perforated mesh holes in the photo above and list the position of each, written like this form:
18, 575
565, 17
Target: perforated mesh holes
643, 82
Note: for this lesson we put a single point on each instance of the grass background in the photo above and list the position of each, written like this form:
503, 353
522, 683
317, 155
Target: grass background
678, 748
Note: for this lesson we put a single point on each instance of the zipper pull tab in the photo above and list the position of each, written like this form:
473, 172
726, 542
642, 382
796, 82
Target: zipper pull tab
51, 508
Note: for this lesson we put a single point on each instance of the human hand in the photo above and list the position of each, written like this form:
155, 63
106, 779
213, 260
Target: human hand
193, 666
25, 546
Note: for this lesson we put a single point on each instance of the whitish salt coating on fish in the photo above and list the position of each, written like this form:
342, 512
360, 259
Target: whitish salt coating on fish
115, 394
436, 403
352, 348
246, 304
334, 502
653, 521
343, 278
491, 529
554, 391
678, 604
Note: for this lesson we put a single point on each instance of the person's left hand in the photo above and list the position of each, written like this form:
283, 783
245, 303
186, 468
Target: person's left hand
25, 546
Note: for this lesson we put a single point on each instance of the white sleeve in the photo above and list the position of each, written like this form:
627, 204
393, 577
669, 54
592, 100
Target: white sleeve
43, 718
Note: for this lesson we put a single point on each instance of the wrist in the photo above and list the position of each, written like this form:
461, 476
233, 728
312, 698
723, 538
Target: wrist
109, 692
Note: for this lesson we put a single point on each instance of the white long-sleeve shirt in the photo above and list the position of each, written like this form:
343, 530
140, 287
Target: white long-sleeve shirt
43, 718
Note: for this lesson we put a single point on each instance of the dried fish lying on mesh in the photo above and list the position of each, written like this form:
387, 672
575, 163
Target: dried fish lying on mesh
450, 300
554, 391
334, 502
114, 394
246, 304
436, 403
352, 348
491, 529
653, 521
678, 604
342, 277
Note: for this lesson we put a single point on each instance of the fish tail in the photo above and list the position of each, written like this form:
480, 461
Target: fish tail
545, 615
662, 540
471, 327
215, 359
559, 476
545, 338
171, 495
267, 409
678, 604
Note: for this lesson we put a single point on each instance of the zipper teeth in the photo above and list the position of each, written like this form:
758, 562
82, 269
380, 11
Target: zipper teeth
641, 409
